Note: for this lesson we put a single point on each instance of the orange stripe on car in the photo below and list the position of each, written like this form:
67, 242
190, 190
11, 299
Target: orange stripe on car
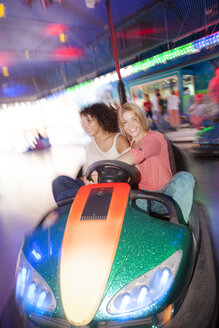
88, 252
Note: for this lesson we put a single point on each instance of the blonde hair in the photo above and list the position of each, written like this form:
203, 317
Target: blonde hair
139, 115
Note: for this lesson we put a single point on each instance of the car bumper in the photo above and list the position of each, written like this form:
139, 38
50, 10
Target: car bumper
205, 151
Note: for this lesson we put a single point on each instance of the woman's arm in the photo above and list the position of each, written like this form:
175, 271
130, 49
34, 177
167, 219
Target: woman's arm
147, 149
127, 158
122, 144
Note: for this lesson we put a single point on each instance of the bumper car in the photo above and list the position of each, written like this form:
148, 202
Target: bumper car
101, 261
39, 144
206, 143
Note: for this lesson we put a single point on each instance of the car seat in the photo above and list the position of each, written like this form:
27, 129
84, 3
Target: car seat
180, 190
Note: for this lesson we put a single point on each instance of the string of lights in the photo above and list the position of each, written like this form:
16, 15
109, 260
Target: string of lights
45, 3
187, 49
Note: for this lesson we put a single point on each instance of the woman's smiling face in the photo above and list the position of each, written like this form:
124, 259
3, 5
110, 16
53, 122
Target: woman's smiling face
131, 125
90, 125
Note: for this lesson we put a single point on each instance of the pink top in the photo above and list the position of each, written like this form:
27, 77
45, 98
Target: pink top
152, 158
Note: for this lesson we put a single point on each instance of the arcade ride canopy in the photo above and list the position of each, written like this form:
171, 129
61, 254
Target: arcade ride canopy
49, 45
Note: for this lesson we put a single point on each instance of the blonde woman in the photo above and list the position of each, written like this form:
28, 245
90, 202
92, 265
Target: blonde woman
151, 153
149, 149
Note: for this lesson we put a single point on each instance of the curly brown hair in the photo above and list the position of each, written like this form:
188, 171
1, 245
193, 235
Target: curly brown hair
105, 116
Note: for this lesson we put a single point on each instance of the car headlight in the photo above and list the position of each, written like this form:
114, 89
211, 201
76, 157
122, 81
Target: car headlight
148, 290
50, 219
31, 289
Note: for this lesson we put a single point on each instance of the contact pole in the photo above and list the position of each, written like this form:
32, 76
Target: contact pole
121, 88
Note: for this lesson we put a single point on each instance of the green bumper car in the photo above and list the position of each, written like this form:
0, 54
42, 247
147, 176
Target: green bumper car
102, 260
206, 143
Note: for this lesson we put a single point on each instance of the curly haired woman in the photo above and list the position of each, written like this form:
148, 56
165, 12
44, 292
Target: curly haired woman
101, 124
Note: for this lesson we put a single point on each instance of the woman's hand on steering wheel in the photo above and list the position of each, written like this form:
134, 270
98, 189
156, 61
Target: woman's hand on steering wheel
112, 171
94, 177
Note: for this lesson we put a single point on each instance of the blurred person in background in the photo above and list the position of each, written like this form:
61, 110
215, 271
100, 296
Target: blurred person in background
147, 106
188, 99
154, 100
162, 124
213, 90
137, 98
161, 104
173, 102
198, 112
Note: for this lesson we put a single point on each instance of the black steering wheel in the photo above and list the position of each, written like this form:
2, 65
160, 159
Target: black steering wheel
114, 171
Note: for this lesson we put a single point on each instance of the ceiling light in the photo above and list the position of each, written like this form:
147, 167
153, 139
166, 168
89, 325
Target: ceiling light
91, 3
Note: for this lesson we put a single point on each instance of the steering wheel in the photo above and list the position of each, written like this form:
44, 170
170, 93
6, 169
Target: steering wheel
114, 171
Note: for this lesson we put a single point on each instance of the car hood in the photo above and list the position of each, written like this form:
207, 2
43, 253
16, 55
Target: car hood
209, 135
144, 243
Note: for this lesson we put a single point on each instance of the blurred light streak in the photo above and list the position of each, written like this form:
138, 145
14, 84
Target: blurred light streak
27, 54
14, 90
5, 71
68, 53
6, 58
56, 29
57, 117
149, 32
2, 10
62, 37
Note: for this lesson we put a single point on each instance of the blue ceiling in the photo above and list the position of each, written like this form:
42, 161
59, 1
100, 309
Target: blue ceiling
39, 63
